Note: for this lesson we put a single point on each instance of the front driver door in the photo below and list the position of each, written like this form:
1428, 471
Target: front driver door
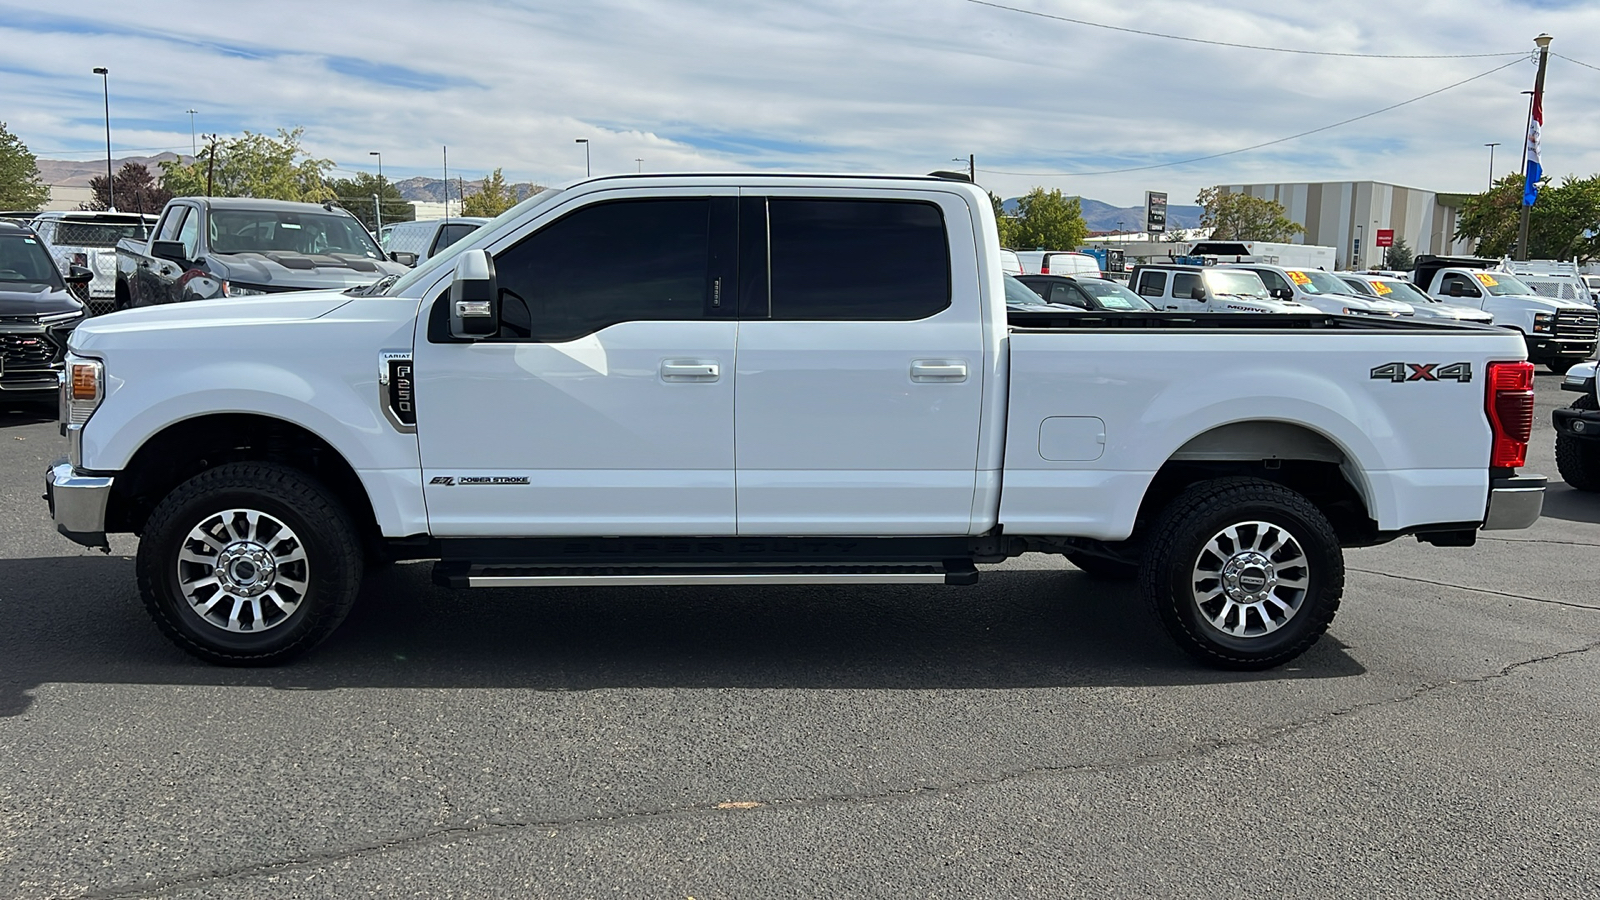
605, 405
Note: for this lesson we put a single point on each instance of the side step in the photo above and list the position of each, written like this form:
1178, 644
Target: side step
464, 574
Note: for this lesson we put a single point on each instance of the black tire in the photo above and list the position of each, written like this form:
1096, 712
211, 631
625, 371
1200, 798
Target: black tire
319, 531
1102, 568
1179, 552
1560, 365
1579, 461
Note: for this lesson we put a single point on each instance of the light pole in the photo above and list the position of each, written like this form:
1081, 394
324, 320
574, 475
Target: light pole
585, 143
1491, 147
639, 161
194, 148
377, 200
105, 87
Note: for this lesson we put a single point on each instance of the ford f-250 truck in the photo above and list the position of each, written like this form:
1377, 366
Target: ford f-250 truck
204, 247
700, 380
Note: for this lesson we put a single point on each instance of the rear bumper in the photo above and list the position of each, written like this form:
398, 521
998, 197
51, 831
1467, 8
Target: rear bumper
78, 503
1515, 501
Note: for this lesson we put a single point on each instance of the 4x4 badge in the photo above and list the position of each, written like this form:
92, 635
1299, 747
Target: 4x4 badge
1403, 372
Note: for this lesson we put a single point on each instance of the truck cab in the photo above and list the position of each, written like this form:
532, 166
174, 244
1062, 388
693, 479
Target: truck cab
1558, 332
1188, 288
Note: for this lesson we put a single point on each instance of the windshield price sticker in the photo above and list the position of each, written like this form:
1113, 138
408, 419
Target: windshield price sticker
1382, 288
1299, 277
1485, 279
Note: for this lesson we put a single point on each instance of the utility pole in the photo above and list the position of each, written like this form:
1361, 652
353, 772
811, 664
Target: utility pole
1530, 153
211, 162
972, 167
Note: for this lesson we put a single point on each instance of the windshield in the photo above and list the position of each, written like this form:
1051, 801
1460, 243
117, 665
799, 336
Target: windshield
94, 234
269, 231
1315, 282
1238, 283
1019, 294
448, 257
23, 261
1404, 291
1112, 295
1502, 285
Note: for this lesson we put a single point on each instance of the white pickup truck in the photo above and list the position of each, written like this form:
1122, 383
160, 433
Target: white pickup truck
701, 380
1559, 332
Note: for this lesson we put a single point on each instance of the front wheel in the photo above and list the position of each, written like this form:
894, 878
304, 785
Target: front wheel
1243, 573
249, 564
1579, 461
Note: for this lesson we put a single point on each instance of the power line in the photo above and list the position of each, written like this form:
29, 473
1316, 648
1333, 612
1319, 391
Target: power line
1571, 60
1264, 143
1194, 40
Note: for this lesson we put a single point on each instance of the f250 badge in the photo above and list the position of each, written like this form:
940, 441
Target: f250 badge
1403, 372
452, 481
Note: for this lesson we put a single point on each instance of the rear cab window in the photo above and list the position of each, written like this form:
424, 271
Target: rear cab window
839, 259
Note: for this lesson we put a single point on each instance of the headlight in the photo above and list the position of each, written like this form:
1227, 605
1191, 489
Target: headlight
229, 289
83, 386
60, 318
1543, 322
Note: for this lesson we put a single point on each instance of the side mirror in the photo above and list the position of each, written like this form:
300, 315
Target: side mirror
1197, 293
404, 258
172, 251
474, 298
1282, 294
78, 275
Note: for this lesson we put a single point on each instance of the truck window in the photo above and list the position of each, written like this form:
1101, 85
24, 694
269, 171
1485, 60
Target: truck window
1184, 283
451, 232
622, 261
170, 222
1152, 284
1272, 280
873, 260
1468, 289
189, 234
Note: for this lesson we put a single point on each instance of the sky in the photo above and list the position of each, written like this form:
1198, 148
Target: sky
886, 86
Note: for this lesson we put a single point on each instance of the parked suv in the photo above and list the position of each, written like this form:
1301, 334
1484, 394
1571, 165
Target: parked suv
37, 311
89, 239
409, 243
1207, 289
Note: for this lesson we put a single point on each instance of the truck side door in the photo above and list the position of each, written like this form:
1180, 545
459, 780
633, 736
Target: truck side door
605, 405
148, 274
861, 364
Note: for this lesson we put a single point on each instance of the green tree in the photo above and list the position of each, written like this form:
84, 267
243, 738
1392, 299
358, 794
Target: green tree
1564, 222
20, 187
494, 197
1006, 224
254, 165
1397, 257
1241, 217
355, 194
136, 191
1047, 220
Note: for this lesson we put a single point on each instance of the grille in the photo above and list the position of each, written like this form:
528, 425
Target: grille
26, 351
1577, 324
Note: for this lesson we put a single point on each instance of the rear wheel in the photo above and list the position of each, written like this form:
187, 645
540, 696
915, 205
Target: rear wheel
1579, 461
1243, 573
249, 564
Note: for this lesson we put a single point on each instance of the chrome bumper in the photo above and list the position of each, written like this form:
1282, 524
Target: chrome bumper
78, 504
1514, 502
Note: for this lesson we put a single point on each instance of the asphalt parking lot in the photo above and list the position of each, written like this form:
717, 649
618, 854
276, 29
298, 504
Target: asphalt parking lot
1032, 736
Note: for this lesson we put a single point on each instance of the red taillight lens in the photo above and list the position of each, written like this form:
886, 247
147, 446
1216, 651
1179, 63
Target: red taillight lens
1508, 401
1044, 270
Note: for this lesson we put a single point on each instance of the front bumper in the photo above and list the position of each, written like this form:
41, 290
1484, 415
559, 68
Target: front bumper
78, 504
1579, 424
1515, 501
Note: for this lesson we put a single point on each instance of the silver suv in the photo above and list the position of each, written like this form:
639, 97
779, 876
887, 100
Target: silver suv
409, 243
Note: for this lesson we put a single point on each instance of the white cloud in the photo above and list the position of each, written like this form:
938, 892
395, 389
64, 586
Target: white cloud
829, 85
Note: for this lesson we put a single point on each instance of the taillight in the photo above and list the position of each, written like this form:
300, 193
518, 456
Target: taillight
1044, 268
1508, 401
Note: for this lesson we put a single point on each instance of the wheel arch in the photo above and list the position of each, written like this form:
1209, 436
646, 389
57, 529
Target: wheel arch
185, 448
1302, 458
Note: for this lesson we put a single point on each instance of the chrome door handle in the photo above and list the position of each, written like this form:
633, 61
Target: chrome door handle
676, 370
939, 370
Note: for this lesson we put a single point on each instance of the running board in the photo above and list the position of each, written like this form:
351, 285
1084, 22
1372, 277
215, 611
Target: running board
462, 574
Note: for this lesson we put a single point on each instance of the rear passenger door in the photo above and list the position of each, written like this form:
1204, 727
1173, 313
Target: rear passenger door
860, 365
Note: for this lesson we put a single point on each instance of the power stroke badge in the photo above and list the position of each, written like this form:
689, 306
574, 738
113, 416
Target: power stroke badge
452, 480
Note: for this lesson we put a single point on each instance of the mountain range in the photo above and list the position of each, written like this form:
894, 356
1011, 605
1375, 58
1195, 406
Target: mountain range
73, 173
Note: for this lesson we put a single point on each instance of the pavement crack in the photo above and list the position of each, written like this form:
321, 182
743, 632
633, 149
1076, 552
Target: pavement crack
1263, 737
1478, 590
1539, 541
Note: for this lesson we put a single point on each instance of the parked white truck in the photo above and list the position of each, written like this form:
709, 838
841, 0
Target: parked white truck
704, 380
1558, 332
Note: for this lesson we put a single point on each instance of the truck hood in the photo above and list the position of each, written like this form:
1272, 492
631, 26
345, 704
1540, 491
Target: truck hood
42, 302
302, 271
223, 311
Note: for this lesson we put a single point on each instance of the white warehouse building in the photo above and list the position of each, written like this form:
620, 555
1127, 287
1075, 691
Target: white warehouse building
1336, 213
